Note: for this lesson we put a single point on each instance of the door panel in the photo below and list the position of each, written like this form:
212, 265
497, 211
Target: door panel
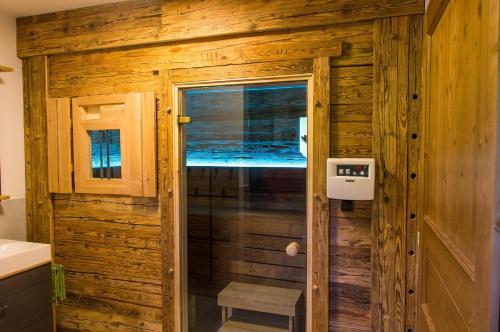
458, 285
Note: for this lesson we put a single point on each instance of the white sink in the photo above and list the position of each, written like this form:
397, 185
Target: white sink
19, 256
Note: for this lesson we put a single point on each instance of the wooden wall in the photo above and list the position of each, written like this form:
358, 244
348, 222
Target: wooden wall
110, 249
113, 259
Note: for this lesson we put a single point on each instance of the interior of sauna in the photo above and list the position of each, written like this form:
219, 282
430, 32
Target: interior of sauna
246, 162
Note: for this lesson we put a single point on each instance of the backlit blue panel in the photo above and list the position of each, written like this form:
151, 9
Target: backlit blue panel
258, 125
106, 154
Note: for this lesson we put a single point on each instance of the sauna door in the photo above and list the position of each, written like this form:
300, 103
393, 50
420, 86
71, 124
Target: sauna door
244, 197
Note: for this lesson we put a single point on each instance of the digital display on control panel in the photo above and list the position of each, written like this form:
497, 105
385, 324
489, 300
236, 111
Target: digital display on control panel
352, 170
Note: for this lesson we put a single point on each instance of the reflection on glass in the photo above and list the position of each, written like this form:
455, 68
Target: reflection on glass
246, 158
247, 125
106, 154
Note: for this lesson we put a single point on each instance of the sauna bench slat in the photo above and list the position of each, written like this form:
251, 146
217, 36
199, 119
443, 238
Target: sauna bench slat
235, 326
273, 300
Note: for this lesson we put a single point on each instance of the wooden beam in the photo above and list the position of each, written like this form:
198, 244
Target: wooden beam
390, 139
165, 187
318, 222
413, 137
38, 199
206, 18
139, 22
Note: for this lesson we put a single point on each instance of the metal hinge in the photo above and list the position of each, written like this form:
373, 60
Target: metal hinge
183, 119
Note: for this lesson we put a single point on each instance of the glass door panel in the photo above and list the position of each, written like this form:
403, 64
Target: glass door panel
245, 174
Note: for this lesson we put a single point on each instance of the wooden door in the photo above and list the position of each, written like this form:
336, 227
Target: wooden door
459, 246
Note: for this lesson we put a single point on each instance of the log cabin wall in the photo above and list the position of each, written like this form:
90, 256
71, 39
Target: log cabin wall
111, 246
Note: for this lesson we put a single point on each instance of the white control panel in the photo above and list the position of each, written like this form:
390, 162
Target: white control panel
351, 178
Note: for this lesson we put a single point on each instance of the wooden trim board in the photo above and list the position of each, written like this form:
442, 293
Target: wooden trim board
59, 145
5, 69
435, 10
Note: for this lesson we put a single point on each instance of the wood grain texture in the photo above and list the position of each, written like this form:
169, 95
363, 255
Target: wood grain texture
207, 18
165, 186
59, 145
132, 69
318, 212
139, 22
434, 11
350, 232
414, 140
459, 272
111, 252
390, 136
38, 199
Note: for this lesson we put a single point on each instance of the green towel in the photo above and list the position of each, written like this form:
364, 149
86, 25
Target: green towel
58, 287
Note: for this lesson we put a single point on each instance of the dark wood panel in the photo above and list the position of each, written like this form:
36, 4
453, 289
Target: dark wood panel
26, 300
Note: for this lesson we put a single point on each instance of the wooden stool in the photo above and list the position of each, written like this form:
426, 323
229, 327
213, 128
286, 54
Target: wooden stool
273, 300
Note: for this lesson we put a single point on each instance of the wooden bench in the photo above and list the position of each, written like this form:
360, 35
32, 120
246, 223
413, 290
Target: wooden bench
273, 300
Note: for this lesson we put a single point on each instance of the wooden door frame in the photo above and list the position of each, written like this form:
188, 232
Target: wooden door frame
317, 73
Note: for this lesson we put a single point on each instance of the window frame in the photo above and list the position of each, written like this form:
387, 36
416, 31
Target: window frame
129, 124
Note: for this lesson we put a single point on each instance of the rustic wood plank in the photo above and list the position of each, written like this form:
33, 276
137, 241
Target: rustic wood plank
197, 19
318, 225
139, 22
165, 178
110, 248
132, 70
275, 300
414, 134
91, 314
236, 326
38, 199
148, 132
123, 209
390, 136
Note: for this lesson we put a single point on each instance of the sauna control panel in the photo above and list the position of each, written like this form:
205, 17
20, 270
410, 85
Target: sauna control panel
351, 178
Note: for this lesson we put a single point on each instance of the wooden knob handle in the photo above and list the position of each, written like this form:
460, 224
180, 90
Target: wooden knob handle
292, 249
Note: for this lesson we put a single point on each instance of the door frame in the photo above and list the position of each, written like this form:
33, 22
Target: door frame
317, 73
